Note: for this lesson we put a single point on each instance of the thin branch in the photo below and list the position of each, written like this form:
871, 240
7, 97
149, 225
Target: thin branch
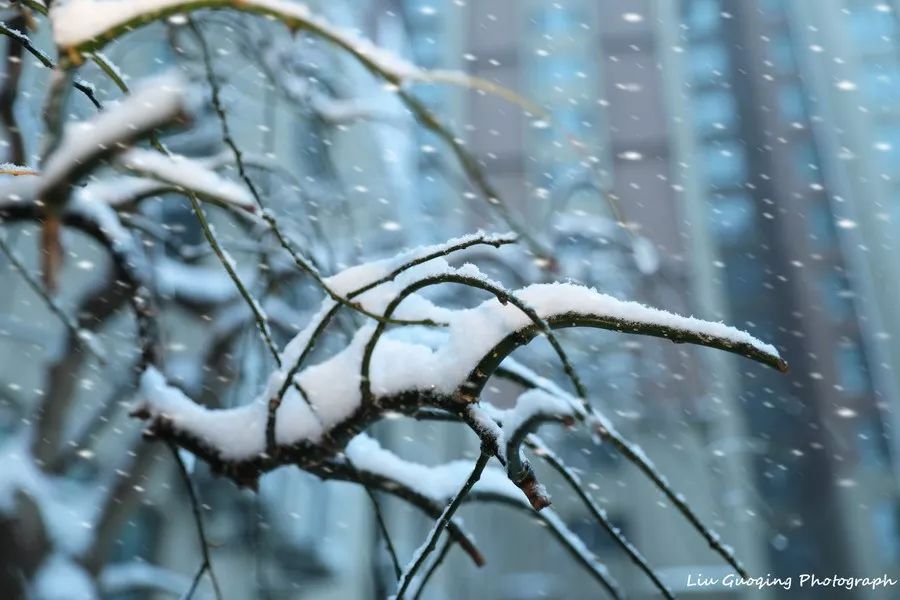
382, 526
372, 58
341, 470
84, 337
300, 261
262, 322
637, 457
441, 524
10, 91
195, 581
82, 86
198, 521
379, 519
476, 174
552, 459
433, 567
555, 525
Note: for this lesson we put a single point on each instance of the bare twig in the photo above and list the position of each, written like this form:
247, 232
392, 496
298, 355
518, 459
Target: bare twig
382, 526
300, 261
598, 513
436, 562
262, 321
25, 42
84, 337
198, 521
441, 524
379, 519
635, 456
195, 581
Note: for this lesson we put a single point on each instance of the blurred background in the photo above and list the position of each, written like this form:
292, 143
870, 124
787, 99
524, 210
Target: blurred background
731, 159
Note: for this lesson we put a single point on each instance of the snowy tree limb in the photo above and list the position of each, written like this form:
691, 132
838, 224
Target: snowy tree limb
374, 480
383, 470
636, 456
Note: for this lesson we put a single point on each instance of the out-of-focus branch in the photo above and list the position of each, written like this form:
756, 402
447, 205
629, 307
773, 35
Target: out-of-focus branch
75, 42
124, 285
132, 481
87, 339
10, 90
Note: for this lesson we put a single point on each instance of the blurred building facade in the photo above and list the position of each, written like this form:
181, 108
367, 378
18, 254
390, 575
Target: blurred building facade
751, 142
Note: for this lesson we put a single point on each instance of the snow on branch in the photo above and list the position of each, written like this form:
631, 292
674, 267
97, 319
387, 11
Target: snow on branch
86, 26
311, 415
85, 143
383, 469
154, 104
187, 174
325, 404
121, 192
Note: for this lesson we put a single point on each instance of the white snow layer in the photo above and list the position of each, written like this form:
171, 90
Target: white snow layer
438, 483
530, 404
183, 172
60, 578
397, 365
198, 283
117, 192
124, 577
152, 103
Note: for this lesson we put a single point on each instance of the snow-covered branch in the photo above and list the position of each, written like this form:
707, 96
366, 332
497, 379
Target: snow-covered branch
371, 342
